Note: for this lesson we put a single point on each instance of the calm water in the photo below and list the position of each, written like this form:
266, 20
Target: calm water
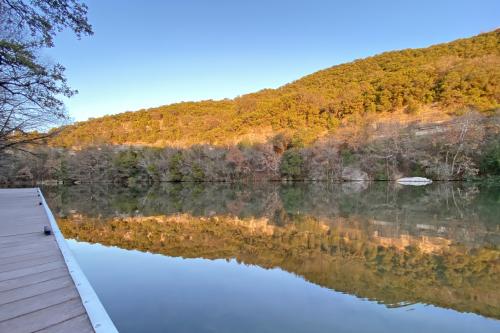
307, 257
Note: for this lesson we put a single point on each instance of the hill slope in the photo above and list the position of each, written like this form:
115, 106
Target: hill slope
447, 77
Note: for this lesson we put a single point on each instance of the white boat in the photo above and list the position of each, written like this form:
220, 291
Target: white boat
415, 181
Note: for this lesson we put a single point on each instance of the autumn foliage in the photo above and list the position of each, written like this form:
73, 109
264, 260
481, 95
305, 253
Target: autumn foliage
450, 77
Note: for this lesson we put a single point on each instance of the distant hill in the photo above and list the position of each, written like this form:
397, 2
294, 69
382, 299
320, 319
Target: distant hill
448, 77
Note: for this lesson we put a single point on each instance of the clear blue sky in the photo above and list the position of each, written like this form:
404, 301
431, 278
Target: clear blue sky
152, 52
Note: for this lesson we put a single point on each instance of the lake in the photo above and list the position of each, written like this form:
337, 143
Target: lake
289, 257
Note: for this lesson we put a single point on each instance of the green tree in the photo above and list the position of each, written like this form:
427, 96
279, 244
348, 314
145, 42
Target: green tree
292, 164
490, 163
126, 165
174, 167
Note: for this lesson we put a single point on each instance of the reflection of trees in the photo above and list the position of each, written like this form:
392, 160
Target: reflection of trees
461, 212
436, 244
340, 255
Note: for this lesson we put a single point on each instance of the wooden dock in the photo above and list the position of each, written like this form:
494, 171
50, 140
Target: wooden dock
41, 287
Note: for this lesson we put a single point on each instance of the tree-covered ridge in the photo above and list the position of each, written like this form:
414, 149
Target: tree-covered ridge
461, 74
341, 256
465, 147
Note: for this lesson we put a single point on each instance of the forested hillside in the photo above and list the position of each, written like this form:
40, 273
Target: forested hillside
446, 77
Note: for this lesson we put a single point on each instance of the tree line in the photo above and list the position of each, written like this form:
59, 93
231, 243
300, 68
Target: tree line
465, 147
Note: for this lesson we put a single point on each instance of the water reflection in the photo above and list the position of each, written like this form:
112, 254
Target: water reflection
466, 213
438, 244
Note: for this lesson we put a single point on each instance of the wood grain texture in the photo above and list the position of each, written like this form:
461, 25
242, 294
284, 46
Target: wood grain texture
37, 293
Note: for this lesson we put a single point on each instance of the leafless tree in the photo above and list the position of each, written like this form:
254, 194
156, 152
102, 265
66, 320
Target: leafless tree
31, 89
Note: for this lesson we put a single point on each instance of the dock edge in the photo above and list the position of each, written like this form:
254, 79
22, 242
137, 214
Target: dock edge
99, 318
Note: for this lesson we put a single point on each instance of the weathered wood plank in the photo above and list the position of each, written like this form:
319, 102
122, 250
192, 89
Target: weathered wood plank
28, 263
37, 302
43, 318
30, 249
31, 270
10, 236
26, 238
21, 237
25, 244
78, 324
33, 279
29, 256
37, 293
21, 229
34, 289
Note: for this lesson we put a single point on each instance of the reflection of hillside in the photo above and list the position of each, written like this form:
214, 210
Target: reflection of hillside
345, 254
425, 244
463, 213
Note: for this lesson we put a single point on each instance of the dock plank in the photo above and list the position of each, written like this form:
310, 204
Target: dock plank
44, 318
31, 270
37, 292
32, 279
30, 249
19, 264
28, 238
37, 302
77, 324
34, 289
29, 256
12, 245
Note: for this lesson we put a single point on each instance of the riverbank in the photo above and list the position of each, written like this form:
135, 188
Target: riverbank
463, 148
